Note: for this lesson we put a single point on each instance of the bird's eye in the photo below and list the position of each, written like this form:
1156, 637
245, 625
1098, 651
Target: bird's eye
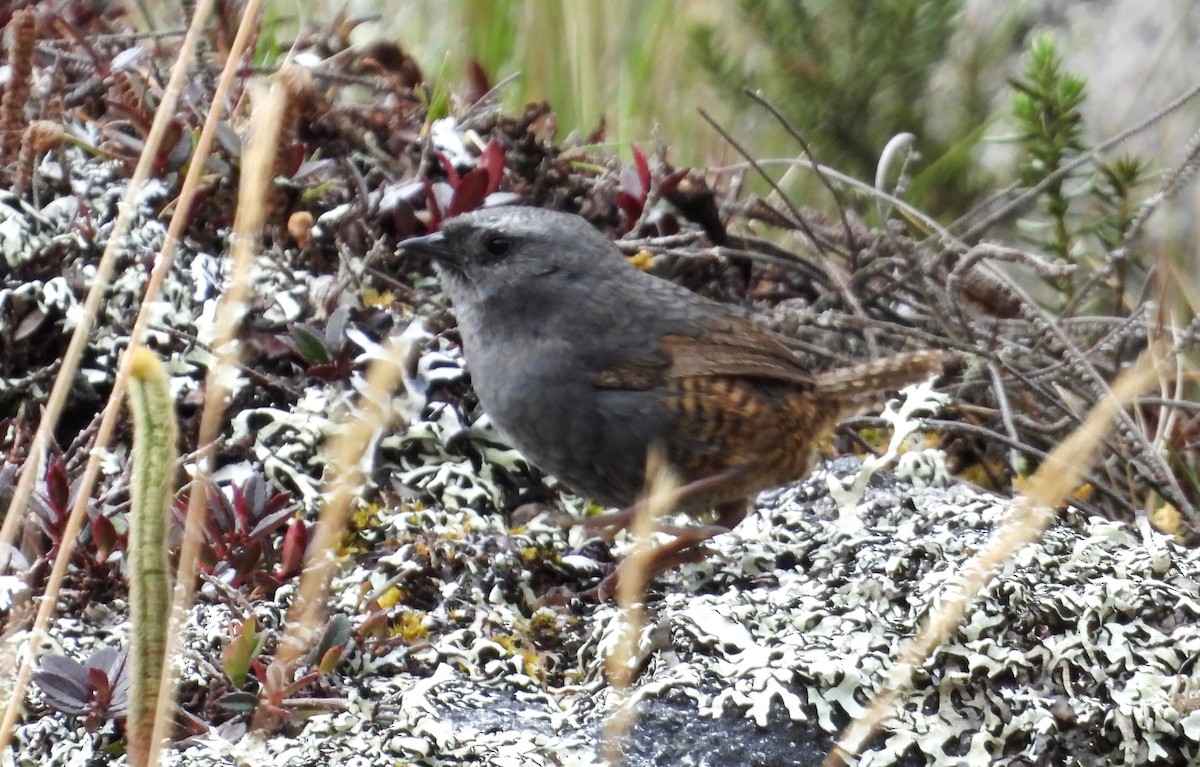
498, 246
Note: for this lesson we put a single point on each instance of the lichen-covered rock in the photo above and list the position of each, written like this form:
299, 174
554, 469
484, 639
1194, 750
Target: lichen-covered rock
1081, 652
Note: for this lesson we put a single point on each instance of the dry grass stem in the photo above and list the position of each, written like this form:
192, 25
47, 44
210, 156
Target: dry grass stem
661, 497
253, 190
307, 612
185, 574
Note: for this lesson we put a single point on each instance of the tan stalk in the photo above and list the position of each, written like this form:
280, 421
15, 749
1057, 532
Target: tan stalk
662, 485
1031, 515
151, 486
181, 599
62, 384
346, 452
256, 176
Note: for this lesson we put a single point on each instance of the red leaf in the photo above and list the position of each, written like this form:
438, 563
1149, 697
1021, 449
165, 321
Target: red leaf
632, 184
643, 169
375, 625
631, 206
245, 562
101, 689
268, 523
241, 509
448, 166
220, 510
260, 671
65, 683
254, 489
298, 685
470, 192
104, 535
671, 182
291, 555
492, 160
57, 486
277, 501
179, 510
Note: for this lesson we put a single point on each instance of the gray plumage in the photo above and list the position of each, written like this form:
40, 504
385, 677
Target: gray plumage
584, 362
537, 323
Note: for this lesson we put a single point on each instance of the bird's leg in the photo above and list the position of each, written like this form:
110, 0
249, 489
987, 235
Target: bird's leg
685, 547
608, 525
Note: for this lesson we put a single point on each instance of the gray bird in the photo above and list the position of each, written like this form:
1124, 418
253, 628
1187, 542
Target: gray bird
584, 363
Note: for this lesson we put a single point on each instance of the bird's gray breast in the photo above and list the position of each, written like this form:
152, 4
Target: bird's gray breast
539, 393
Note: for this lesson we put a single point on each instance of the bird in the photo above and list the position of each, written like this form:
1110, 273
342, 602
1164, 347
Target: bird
586, 364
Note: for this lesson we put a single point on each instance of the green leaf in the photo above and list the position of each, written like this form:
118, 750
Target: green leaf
241, 652
311, 346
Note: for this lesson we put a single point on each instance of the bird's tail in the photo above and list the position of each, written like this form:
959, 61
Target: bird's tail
870, 379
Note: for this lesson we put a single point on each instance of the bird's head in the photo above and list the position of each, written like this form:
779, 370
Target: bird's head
517, 251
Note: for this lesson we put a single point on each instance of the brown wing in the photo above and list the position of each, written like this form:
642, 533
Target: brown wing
726, 346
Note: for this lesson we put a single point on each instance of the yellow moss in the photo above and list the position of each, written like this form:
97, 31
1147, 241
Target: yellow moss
533, 554
391, 597
983, 473
594, 510
532, 661
1021, 484
380, 299
641, 259
365, 516
517, 647
1167, 519
410, 626
507, 641
543, 620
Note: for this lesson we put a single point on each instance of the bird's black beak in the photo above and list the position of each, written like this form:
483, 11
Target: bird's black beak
432, 246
